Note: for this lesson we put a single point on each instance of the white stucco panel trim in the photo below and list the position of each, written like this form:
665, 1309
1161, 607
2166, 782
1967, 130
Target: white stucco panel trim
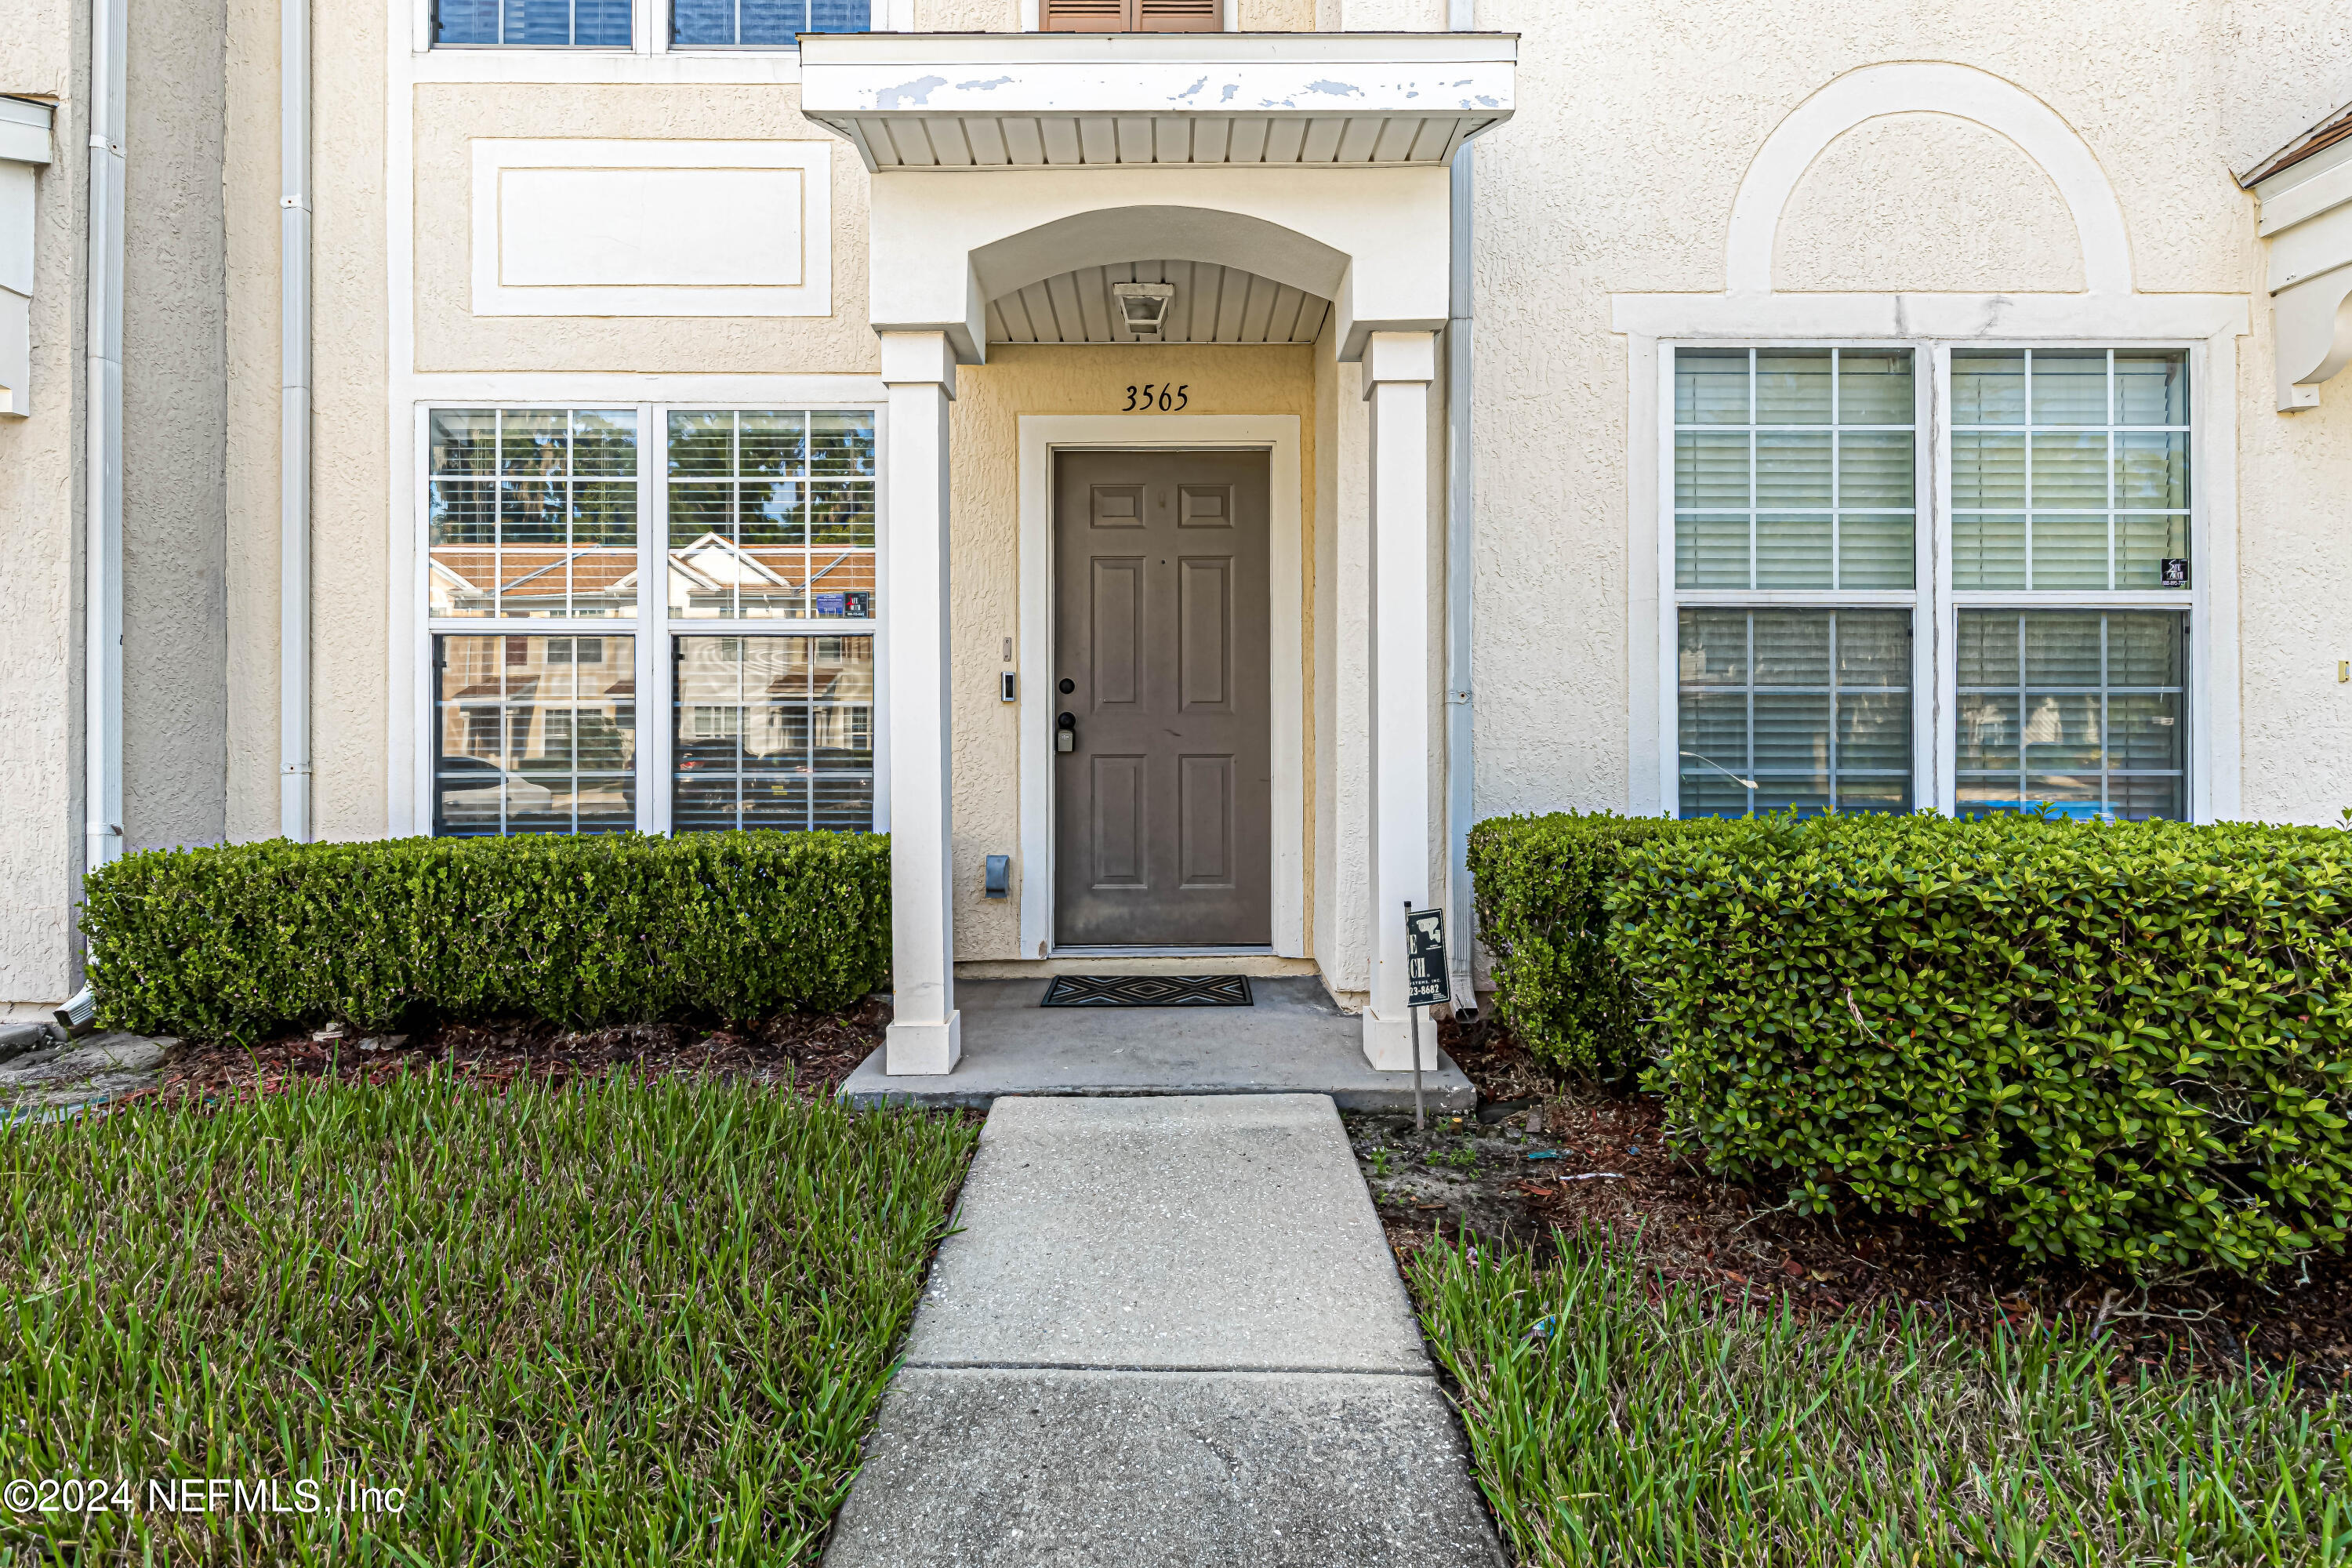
1916, 88
1041, 434
600, 227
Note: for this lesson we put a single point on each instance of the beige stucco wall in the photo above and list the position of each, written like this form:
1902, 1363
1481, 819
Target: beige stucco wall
1635, 124
351, 474
249, 184
449, 336
41, 555
174, 413
985, 562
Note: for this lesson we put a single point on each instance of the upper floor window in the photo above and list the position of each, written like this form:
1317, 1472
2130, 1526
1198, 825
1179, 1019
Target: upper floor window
1132, 16
534, 23
757, 24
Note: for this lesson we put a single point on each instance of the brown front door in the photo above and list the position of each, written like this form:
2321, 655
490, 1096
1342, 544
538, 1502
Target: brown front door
1163, 799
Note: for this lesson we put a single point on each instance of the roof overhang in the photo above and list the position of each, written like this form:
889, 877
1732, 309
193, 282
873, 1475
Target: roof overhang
2305, 196
1010, 100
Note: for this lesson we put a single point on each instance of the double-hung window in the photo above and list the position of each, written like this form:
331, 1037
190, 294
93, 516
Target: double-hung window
1846, 639
711, 569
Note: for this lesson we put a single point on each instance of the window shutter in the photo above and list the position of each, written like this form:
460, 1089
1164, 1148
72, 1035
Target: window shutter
1085, 17
1179, 16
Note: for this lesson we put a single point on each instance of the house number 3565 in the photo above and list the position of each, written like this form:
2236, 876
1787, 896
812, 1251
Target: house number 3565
1164, 397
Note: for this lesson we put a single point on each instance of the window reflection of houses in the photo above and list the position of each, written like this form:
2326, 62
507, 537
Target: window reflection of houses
715, 578
774, 732
536, 734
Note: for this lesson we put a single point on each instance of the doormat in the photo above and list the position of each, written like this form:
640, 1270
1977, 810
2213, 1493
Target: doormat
1148, 991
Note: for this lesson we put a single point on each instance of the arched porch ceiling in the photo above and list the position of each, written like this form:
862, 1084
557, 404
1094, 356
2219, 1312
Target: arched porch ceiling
1213, 304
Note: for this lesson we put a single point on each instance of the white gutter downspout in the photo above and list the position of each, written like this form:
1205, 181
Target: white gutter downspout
294, 420
1460, 493
109, 35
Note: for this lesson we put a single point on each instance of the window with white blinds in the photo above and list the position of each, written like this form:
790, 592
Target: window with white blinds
1817, 611
1795, 566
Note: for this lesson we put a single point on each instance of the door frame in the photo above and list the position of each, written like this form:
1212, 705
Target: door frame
1277, 436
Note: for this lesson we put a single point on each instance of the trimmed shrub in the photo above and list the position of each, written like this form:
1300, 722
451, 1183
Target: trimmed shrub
1540, 886
2125, 1044
238, 941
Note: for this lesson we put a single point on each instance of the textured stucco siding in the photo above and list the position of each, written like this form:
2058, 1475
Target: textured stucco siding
40, 553
350, 427
985, 562
174, 418
249, 184
1634, 126
450, 337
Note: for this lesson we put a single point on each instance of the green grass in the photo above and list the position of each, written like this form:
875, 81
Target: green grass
623, 1322
1614, 1419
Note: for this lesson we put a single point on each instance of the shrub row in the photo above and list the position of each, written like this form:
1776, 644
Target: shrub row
1542, 885
238, 941
2126, 1045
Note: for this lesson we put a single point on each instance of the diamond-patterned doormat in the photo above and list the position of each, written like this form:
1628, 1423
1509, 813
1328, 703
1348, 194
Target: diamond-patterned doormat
1148, 991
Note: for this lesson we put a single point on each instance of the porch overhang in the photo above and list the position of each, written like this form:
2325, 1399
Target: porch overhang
1013, 100
1319, 161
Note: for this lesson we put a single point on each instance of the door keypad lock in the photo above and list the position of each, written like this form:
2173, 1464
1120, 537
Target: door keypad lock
1066, 732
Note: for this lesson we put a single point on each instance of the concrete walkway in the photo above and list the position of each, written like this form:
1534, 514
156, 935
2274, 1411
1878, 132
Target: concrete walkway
1168, 1332
1294, 1040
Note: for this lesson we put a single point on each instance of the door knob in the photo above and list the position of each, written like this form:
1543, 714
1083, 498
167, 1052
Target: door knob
1066, 732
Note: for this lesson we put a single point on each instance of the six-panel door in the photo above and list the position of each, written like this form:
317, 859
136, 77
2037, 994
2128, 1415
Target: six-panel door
1163, 797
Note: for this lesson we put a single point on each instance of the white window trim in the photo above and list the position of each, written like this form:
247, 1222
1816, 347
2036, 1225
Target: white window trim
2206, 325
651, 627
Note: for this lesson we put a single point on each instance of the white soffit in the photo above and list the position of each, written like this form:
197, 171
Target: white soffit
2306, 224
1212, 305
979, 100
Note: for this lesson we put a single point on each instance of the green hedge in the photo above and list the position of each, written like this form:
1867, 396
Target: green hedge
2125, 1044
238, 941
1541, 882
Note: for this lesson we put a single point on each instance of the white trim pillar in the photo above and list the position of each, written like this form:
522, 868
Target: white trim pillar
926, 1032
1398, 370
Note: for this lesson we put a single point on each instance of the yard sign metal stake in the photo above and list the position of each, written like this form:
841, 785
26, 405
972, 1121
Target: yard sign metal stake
1425, 982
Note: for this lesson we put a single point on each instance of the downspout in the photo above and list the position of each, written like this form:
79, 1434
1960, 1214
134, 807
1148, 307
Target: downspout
294, 420
1460, 493
103, 492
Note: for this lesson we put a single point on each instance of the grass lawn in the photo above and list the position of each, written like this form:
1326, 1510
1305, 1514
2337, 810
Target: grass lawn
625, 1321
1613, 1420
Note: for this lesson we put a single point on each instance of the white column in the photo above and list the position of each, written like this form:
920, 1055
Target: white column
1398, 369
926, 1033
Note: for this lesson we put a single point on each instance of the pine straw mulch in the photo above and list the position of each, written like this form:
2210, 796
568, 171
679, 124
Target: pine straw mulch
1694, 1227
813, 1052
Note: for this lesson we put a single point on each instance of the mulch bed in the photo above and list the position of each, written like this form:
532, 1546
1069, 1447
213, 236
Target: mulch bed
814, 1052
1694, 1227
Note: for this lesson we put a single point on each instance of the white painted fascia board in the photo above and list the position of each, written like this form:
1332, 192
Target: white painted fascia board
25, 130
1437, 76
2319, 183
2306, 250
1198, 48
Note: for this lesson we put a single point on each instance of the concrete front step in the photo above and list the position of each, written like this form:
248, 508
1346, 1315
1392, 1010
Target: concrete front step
1294, 1041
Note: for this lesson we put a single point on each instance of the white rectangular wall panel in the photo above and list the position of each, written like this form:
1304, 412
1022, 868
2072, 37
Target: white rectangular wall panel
652, 228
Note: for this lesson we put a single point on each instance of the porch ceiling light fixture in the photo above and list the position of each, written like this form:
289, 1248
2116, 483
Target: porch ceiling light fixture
1143, 307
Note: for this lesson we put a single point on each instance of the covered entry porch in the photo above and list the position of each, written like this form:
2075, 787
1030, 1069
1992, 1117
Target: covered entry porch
1246, 190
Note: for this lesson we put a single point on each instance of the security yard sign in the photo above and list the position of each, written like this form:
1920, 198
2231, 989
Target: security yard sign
1424, 957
